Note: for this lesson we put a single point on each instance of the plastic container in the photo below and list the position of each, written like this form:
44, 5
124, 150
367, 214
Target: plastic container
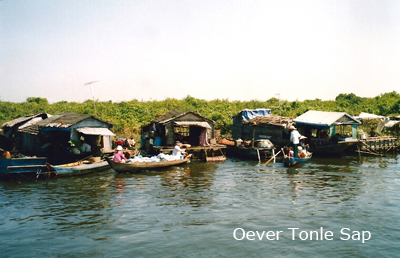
158, 141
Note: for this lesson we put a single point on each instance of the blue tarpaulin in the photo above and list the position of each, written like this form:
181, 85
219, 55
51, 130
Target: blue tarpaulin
248, 114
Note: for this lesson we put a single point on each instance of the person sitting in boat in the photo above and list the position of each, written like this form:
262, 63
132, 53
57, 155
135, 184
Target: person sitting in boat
178, 152
85, 148
119, 156
290, 152
303, 144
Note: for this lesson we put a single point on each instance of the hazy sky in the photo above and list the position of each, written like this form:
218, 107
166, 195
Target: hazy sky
208, 49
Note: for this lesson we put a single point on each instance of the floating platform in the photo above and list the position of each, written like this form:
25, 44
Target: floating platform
385, 143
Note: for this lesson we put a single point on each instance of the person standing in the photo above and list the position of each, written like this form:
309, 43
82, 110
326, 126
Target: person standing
295, 139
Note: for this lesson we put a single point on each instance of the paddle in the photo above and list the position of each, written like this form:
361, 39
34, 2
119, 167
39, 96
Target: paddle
272, 158
275, 155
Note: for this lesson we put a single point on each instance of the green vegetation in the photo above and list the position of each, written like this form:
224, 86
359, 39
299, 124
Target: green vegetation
129, 116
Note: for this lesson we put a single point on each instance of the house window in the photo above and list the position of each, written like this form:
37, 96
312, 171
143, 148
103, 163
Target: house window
181, 133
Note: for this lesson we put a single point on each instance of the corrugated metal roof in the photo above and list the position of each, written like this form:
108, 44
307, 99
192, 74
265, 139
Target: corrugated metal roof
24, 119
171, 114
368, 116
95, 131
174, 114
325, 118
193, 123
63, 120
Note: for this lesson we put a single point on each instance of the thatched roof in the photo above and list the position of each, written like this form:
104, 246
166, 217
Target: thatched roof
271, 120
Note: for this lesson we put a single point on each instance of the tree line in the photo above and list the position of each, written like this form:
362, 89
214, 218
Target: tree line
129, 116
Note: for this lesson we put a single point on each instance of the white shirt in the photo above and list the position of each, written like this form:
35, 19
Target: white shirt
177, 151
295, 137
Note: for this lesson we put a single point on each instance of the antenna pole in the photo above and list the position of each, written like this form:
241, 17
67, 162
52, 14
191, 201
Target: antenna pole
91, 88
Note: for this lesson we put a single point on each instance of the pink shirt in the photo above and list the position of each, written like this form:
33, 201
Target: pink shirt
119, 156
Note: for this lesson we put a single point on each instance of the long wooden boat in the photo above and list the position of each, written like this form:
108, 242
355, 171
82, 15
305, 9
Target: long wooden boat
248, 152
134, 167
25, 166
331, 149
79, 168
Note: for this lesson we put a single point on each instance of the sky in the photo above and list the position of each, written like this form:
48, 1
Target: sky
208, 49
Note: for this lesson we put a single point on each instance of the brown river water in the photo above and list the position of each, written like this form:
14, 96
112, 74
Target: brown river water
338, 207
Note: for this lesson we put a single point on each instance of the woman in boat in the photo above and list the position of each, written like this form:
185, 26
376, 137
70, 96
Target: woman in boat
119, 156
303, 143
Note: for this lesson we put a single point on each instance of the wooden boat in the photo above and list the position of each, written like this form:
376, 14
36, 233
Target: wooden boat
261, 150
134, 167
215, 158
79, 168
292, 161
331, 149
25, 166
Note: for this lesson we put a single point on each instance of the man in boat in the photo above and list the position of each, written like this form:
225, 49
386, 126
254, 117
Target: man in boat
295, 139
178, 152
119, 156
85, 148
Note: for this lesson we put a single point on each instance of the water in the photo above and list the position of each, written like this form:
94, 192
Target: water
194, 210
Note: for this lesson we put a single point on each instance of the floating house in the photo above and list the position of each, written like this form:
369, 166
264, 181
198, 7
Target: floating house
190, 128
328, 133
256, 134
11, 128
259, 124
241, 126
60, 137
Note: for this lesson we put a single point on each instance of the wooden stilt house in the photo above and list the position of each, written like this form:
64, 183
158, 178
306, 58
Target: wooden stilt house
190, 128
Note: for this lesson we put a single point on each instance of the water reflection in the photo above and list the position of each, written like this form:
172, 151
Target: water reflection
194, 209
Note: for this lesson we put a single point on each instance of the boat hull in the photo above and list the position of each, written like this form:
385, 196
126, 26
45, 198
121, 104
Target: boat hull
22, 166
290, 162
135, 167
79, 168
331, 149
248, 153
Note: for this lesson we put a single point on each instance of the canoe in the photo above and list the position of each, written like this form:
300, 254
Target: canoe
79, 168
25, 166
292, 161
134, 167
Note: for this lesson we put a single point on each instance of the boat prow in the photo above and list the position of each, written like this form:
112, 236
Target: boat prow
80, 168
